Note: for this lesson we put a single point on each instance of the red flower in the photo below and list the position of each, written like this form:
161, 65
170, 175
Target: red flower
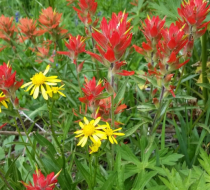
115, 35
152, 28
50, 21
126, 73
174, 62
91, 90
28, 28
43, 53
75, 46
193, 13
42, 183
88, 9
171, 90
104, 109
173, 38
7, 28
108, 59
8, 83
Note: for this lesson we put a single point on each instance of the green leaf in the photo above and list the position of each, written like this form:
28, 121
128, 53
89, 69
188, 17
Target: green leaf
189, 77
51, 152
146, 107
53, 167
140, 3
120, 93
108, 185
2, 154
67, 125
142, 179
204, 85
42, 108
127, 154
132, 130
19, 143
120, 171
103, 95
84, 173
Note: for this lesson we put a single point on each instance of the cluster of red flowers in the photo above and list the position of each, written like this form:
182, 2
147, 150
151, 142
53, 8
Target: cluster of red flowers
49, 21
75, 46
112, 43
100, 107
163, 46
8, 83
87, 11
42, 183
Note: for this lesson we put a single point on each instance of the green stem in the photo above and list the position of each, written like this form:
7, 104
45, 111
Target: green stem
56, 140
95, 171
5, 181
80, 89
112, 117
204, 63
29, 139
154, 126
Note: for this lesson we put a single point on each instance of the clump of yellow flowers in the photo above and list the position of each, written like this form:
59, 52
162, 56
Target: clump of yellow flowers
46, 84
91, 130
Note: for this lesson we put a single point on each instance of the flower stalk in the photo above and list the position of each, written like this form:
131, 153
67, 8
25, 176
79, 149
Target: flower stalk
204, 63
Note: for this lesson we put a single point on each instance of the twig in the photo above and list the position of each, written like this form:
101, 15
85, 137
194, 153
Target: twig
22, 113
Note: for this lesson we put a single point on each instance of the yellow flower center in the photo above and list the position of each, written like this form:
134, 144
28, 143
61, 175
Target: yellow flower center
94, 148
38, 79
88, 129
55, 89
109, 132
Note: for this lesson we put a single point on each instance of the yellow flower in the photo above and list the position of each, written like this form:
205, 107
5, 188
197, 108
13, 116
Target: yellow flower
56, 90
3, 100
95, 146
89, 130
39, 80
109, 132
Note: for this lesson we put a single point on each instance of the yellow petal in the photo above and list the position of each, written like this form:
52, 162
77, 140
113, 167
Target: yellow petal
44, 94
4, 104
36, 92
32, 91
79, 135
84, 141
81, 124
50, 83
46, 70
28, 83
111, 140
115, 140
86, 121
101, 127
0, 109
119, 134
95, 138
53, 80
117, 129
49, 90
79, 131
29, 87
61, 94
81, 141
61, 86
96, 121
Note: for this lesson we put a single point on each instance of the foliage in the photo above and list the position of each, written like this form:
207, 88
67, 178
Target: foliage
104, 95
